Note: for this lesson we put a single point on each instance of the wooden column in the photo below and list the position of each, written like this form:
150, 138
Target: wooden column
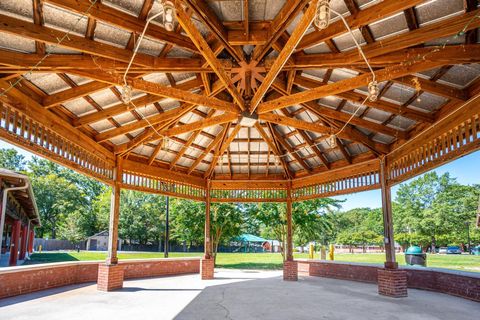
289, 224
208, 242
388, 238
110, 274
114, 214
207, 265
290, 267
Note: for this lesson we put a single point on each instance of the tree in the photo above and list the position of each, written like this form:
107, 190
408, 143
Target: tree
56, 199
187, 221
436, 207
10, 159
70, 229
226, 222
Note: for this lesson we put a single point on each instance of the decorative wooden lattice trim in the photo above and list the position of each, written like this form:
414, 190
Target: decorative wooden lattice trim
333, 187
25, 132
248, 195
453, 137
140, 182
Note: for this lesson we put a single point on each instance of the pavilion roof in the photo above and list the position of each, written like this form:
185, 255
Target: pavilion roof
424, 53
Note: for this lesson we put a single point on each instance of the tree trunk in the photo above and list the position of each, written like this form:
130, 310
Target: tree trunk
433, 245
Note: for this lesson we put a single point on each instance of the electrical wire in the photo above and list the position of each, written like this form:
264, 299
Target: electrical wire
48, 54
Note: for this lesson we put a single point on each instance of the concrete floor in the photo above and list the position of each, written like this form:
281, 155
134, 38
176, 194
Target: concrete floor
235, 295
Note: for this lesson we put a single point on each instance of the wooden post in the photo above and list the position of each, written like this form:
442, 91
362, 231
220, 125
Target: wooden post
110, 274
114, 214
207, 265
208, 242
290, 267
388, 239
167, 228
289, 224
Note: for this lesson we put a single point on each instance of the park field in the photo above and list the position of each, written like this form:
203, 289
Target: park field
262, 260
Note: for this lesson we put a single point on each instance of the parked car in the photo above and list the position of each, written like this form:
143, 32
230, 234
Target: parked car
443, 250
454, 250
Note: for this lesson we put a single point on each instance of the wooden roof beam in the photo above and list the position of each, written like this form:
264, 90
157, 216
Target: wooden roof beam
125, 21
279, 24
48, 35
358, 20
221, 148
205, 123
210, 19
209, 55
160, 90
348, 133
35, 110
287, 50
290, 150
210, 147
273, 147
346, 85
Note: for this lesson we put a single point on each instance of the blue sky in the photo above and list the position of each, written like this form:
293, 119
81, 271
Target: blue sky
465, 169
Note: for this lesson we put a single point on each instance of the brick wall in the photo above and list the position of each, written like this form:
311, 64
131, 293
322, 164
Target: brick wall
159, 267
26, 279
461, 284
207, 269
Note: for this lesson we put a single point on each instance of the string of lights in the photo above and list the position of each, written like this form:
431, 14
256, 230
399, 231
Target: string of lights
321, 21
48, 54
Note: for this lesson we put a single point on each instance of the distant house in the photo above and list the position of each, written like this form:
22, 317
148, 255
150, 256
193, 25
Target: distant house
99, 242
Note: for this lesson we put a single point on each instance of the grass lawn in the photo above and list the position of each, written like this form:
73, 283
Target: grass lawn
262, 260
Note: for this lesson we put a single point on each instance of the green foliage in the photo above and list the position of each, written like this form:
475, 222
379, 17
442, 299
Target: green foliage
226, 222
10, 159
188, 221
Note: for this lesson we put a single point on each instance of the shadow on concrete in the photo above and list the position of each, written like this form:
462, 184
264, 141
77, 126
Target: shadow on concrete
320, 298
41, 294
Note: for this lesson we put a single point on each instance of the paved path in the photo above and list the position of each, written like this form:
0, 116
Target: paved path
235, 295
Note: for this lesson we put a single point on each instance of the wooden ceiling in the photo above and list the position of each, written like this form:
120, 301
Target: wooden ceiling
228, 58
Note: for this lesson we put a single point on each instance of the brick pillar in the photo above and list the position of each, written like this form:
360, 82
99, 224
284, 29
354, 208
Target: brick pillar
290, 270
14, 242
207, 267
110, 277
392, 282
110, 274
23, 243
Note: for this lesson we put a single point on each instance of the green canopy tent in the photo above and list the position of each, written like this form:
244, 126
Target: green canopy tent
250, 242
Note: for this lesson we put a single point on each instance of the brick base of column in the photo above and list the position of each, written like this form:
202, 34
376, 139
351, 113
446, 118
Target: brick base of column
110, 277
392, 282
290, 270
207, 267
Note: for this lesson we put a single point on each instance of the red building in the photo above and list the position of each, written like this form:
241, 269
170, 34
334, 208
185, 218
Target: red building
18, 217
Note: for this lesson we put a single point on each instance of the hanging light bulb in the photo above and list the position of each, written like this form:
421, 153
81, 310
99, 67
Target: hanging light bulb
373, 91
332, 141
168, 15
126, 94
322, 16
164, 143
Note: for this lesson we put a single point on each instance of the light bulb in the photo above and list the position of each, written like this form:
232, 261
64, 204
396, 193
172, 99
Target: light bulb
332, 141
322, 16
169, 26
373, 91
126, 94
168, 15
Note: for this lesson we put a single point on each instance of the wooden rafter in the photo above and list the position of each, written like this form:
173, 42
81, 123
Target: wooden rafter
123, 20
209, 55
287, 50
